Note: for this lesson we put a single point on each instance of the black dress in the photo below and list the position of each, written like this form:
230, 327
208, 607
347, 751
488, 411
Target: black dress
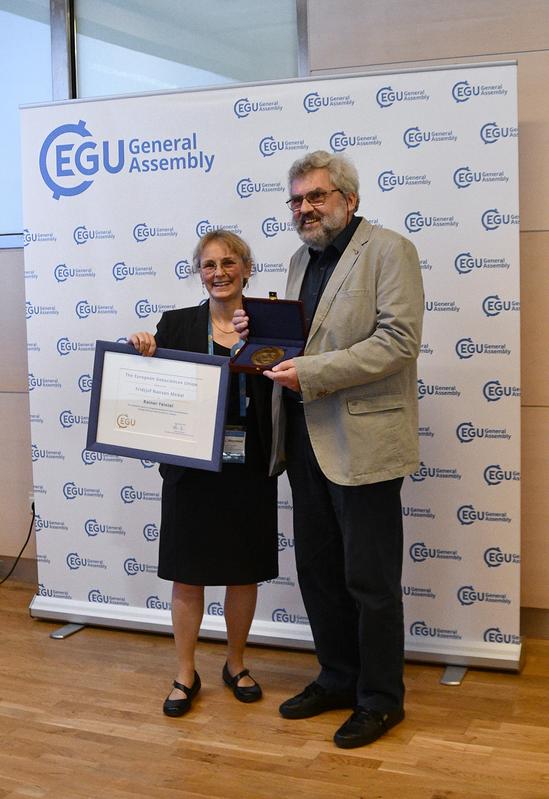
219, 528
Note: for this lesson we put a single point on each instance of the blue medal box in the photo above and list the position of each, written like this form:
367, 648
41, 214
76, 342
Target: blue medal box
276, 333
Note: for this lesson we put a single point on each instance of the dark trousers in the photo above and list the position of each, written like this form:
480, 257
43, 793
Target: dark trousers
348, 546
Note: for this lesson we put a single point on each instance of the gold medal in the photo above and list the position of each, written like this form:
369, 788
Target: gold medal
265, 356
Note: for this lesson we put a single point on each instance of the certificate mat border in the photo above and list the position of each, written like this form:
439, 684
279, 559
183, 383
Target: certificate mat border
215, 463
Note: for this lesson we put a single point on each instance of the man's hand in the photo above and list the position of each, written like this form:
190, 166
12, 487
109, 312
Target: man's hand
144, 343
240, 323
285, 374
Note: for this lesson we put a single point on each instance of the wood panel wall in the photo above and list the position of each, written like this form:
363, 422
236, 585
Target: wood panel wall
15, 447
357, 36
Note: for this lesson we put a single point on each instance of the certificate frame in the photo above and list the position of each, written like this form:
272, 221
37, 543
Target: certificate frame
177, 403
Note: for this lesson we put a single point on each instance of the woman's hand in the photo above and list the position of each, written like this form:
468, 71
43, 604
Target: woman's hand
144, 343
240, 323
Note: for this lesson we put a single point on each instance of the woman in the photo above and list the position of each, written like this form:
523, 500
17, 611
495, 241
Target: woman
217, 528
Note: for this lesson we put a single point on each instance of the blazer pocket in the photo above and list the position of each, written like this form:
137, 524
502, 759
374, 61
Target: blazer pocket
387, 402
350, 293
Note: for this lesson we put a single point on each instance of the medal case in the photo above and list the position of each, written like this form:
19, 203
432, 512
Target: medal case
277, 325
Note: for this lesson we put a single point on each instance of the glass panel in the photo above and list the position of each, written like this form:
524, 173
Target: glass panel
25, 67
135, 45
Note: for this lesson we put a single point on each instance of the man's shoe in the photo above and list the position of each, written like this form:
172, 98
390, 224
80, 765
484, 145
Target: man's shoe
314, 700
365, 726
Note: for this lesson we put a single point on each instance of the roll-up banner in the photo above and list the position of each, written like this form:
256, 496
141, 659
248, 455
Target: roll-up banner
117, 192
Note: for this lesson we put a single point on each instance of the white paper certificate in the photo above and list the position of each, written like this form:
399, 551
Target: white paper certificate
158, 405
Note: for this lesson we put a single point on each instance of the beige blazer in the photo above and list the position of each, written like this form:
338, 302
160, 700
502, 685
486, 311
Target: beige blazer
358, 372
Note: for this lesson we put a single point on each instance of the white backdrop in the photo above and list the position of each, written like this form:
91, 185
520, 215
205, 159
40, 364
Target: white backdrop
116, 192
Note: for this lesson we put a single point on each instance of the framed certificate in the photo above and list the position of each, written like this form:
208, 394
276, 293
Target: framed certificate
170, 408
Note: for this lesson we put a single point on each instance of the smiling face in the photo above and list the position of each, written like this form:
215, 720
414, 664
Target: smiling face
222, 271
317, 226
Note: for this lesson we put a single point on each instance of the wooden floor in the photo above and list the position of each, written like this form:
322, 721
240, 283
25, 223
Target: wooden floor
81, 719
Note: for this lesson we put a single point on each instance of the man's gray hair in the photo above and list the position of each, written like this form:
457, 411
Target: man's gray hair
342, 172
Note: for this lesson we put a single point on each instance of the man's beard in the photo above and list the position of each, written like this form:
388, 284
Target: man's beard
329, 229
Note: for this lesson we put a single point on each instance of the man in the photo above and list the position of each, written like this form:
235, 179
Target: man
345, 422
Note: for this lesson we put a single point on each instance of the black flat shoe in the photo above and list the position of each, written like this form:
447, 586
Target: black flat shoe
365, 726
315, 700
177, 707
249, 693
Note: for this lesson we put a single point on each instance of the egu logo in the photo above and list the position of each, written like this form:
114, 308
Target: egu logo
150, 532
205, 226
132, 567
463, 91
74, 561
468, 596
493, 305
93, 528
65, 159
246, 187
68, 419
466, 348
183, 269
272, 227
84, 309
312, 102
72, 491
282, 615
62, 273
465, 263
269, 146
215, 609
243, 107
465, 177
85, 383
493, 635
413, 137
467, 432
129, 494
495, 557
81, 234
387, 181
284, 543
492, 219
420, 628
415, 222
120, 271
420, 553
155, 603
123, 421
466, 515
493, 391
492, 133
494, 475
64, 346
144, 308
386, 96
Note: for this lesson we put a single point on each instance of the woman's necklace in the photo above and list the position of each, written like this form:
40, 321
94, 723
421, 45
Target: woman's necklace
227, 332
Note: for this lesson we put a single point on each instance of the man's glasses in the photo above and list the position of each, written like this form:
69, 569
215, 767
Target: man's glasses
315, 198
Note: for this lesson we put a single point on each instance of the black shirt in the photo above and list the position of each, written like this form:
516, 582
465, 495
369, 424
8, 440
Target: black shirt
320, 267
319, 270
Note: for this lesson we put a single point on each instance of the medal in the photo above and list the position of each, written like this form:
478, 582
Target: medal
266, 356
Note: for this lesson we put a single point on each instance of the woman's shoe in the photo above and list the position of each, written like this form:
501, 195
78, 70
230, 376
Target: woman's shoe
177, 707
249, 693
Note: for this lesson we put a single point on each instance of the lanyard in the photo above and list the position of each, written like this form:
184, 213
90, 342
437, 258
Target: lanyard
241, 376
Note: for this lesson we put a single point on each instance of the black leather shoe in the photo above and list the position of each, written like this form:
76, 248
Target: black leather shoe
365, 726
244, 693
177, 707
314, 700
